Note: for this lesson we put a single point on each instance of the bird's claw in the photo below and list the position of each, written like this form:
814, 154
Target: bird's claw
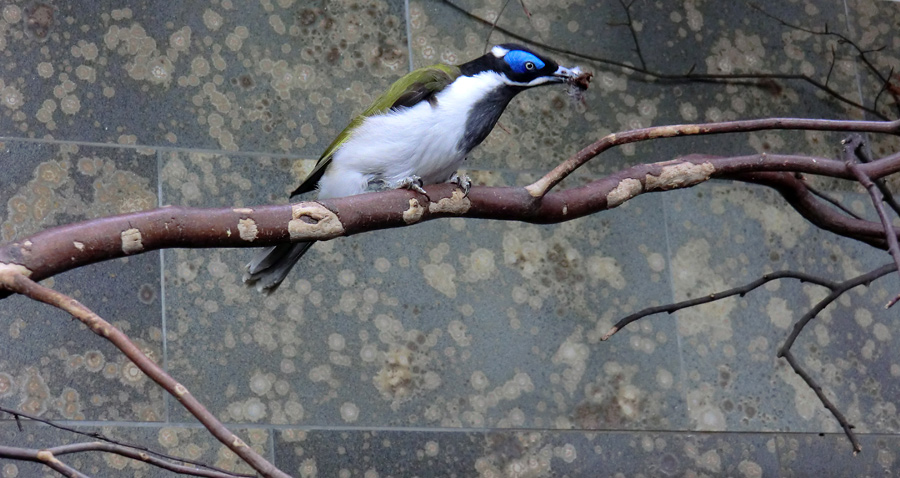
412, 182
464, 182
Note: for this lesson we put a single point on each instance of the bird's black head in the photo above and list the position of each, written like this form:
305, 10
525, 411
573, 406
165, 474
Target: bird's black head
519, 67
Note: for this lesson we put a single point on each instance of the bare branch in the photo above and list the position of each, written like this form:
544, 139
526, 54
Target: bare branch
487, 39
760, 80
551, 179
715, 296
837, 289
857, 146
135, 449
862, 279
893, 246
844, 40
842, 420
19, 283
826, 197
634, 37
43, 457
66, 247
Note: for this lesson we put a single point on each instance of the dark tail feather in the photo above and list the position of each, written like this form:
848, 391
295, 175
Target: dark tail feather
271, 266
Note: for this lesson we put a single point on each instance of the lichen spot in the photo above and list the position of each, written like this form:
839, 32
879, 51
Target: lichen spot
456, 204
180, 390
349, 412
131, 241
247, 229
312, 220
414, 213
625, 190
78, 245
238, 443
679, 175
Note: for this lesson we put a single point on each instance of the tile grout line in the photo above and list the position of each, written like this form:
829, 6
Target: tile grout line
409, 41
271, 442
851, 31
401, 429
682, 370
162, 289
158, 148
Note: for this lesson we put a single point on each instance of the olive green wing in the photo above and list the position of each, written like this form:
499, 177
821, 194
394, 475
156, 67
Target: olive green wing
417, 86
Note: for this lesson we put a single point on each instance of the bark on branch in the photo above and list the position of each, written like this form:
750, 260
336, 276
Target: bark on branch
74, 245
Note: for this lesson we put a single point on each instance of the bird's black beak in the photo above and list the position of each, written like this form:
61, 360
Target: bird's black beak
564, 74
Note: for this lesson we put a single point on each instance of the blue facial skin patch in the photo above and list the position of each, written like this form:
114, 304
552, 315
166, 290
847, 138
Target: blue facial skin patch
516, 59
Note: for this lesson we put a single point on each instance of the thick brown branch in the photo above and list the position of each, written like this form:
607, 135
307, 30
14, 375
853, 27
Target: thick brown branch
795, 192
66, 247
20, 284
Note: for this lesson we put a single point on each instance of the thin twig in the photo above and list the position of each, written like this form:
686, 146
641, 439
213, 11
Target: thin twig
842, 420
542, 186
843, 287
862, 154
826, 197
21, 284
43, 457
893, 246
134, 455
733, 79
843, 39
99, 436
739, 291
487, 40
884, 87
634, 37
837, 289
831, 68
525, 9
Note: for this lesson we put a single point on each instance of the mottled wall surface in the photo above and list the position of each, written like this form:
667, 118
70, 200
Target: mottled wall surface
465, 346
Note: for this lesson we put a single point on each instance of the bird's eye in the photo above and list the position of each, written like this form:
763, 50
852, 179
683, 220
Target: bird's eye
529, 65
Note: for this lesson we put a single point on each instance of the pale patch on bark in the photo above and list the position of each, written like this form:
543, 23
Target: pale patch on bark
326, 226
414, 213
627, 189
457, 204
131, 241
679, 175
247, 229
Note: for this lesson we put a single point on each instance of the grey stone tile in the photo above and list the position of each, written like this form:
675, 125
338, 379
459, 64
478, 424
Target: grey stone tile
54, 366
186, 443
272, 76
524, 453
831, 455
544, 127
871, 25
452, 323
726, 235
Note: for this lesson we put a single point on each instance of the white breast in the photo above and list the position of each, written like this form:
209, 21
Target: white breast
421, 141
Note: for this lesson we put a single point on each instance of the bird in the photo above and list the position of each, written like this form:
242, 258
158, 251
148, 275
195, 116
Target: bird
416, 133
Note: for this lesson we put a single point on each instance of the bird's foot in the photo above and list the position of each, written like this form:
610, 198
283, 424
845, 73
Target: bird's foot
412, 182
464, 182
